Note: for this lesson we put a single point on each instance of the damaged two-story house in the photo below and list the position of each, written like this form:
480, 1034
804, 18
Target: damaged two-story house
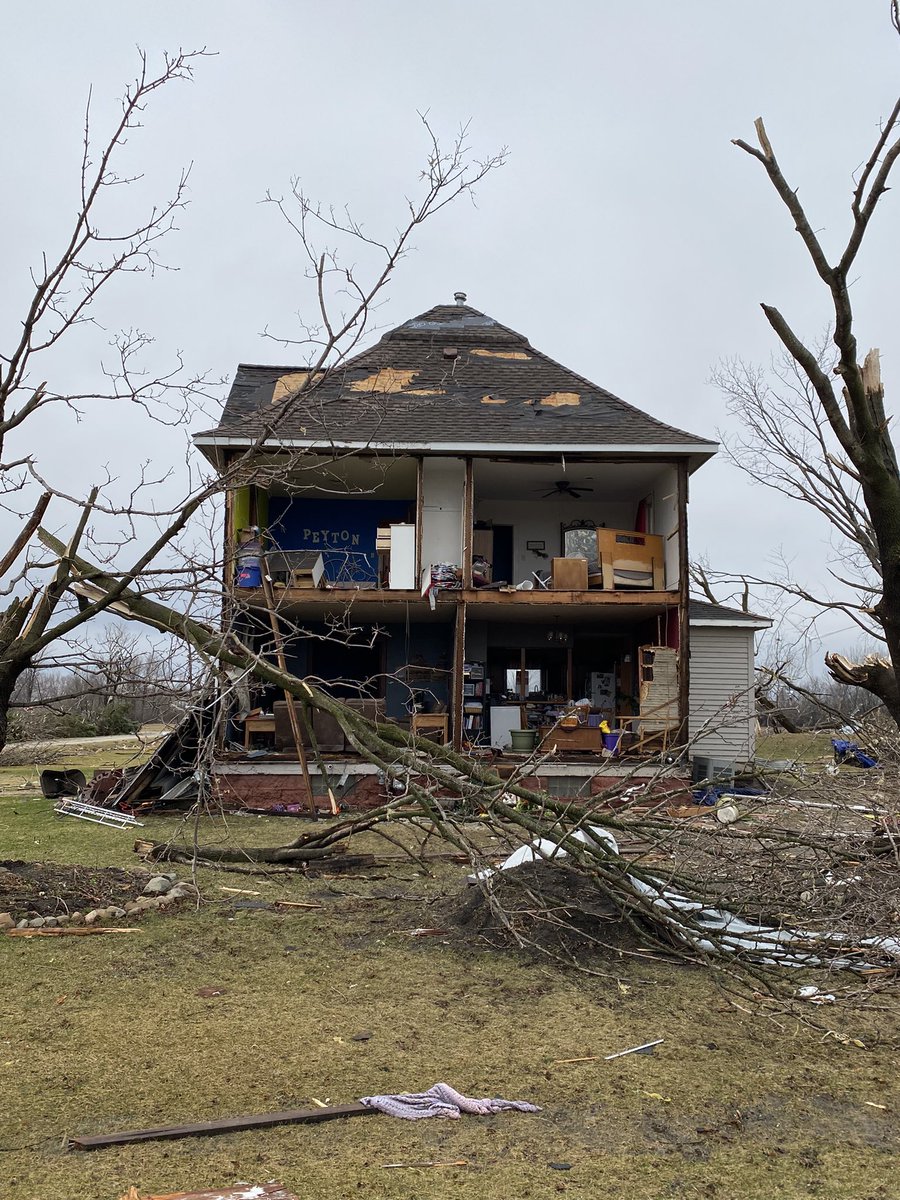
468, 538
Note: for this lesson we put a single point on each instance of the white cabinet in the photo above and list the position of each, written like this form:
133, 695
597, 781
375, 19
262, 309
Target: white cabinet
402, 574
503, 721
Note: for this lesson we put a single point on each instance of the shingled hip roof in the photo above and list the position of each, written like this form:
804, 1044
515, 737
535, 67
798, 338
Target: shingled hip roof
452, 378
702, 612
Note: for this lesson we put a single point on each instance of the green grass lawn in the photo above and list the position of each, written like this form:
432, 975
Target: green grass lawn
110, 1033
810, 747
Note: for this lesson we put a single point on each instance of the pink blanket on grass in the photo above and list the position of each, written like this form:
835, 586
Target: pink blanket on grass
441, 1101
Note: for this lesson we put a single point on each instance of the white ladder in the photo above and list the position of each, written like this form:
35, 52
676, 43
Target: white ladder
93, 812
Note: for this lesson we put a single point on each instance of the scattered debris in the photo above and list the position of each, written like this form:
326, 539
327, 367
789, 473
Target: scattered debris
173, 763
61, 783
457, 1162
70, 931
646, 1048
815, 995
727, 814
95, 813
441, 1100
239, 1191
206, 993
707, 929
850, 753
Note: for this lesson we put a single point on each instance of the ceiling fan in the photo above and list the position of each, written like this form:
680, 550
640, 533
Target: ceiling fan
563, 487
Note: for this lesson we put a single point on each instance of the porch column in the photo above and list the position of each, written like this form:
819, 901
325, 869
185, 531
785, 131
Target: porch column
420, 505
456, 689
684, 632
468, 523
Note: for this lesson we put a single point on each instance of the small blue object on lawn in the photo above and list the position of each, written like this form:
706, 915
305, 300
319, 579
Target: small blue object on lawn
849, 752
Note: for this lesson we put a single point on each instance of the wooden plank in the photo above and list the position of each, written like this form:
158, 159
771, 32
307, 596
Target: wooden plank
334, 597
290, 1116
71, 931
595, 598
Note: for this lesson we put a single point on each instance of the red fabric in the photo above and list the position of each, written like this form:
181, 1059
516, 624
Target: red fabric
673, 629
640, 520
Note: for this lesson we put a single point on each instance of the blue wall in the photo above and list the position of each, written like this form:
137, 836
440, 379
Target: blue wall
422, 645
425, 645
342, 530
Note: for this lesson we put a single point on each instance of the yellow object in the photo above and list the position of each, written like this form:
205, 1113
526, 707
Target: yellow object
604, 727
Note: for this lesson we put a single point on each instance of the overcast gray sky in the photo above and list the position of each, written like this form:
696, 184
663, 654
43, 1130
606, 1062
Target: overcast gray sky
626, 237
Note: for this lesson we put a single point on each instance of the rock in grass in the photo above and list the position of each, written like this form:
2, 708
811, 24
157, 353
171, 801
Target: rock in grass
158, 886
36, 923
50, 922
92, 917
7, 921
182, 891
77, 918
116, 913
23, 924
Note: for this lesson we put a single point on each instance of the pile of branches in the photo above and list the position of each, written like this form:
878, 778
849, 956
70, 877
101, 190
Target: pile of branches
661, 894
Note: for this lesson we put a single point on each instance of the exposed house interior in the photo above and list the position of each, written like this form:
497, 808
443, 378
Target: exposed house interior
459, 535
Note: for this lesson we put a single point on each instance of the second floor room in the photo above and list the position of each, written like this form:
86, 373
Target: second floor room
454, 451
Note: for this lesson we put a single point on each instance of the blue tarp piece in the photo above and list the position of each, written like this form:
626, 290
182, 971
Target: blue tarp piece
712, 795
849, 752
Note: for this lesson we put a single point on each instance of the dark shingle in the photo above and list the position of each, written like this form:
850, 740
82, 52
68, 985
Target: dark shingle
702, 610
496, 390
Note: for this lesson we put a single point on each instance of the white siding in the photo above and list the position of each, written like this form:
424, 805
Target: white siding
721, 693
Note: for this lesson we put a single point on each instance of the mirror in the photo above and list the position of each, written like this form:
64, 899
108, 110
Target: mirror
579, 540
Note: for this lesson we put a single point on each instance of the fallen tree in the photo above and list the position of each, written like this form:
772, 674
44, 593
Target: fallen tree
676, 908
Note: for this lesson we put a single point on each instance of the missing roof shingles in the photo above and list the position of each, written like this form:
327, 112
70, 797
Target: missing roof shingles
288, 385
388, 379
561, 400
514, 355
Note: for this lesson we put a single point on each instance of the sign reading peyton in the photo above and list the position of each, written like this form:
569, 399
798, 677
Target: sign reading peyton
331, 539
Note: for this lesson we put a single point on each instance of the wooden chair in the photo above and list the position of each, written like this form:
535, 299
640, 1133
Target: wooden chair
431, 724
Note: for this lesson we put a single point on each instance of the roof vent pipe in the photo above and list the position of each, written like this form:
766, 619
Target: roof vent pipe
459, 297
